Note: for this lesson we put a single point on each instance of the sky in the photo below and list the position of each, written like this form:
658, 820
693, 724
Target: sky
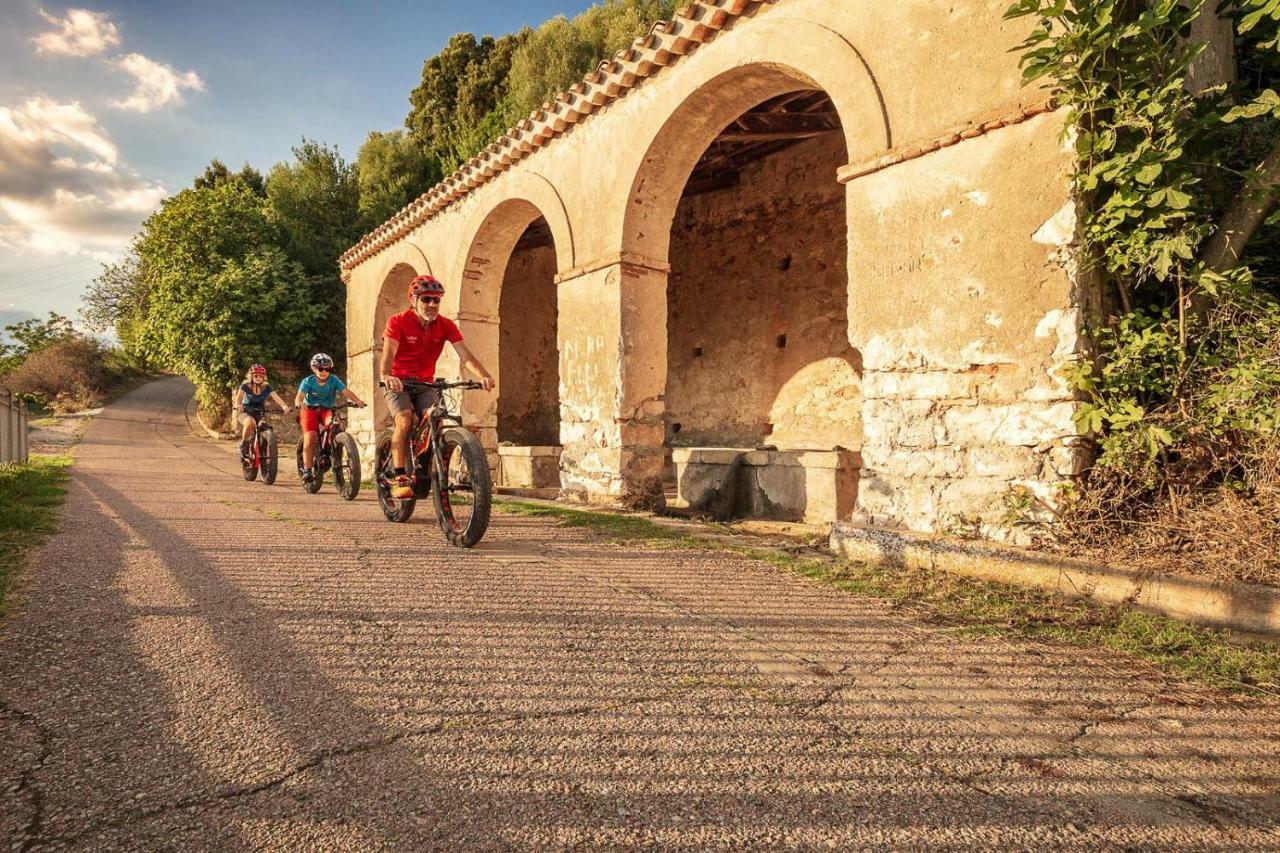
108, 107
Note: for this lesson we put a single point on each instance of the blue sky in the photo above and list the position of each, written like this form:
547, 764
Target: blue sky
107, 107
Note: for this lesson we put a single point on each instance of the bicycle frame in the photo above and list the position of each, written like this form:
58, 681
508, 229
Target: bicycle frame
424, 439
324, 441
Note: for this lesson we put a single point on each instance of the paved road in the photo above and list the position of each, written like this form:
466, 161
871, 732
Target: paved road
197, 662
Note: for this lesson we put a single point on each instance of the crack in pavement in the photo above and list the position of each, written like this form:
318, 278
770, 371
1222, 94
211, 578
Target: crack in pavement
339, 753
27, 778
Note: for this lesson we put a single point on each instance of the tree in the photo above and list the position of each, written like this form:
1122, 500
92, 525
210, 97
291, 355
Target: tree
31, 336
315, 203
217, 173
562, 51
393, 170
220, 291
476, 88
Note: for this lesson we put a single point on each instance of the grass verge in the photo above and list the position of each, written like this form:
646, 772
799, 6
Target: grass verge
1199, 655
30, 495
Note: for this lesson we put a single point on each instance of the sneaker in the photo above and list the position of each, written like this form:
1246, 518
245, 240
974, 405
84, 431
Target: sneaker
402, 489
244, 453
306, 475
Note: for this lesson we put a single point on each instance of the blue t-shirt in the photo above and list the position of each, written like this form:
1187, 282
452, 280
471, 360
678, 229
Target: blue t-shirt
324, 396
257, 402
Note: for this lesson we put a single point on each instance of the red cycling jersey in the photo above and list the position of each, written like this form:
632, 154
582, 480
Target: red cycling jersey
419, 348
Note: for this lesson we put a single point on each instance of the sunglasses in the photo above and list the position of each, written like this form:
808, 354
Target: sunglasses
324, 370
430, 300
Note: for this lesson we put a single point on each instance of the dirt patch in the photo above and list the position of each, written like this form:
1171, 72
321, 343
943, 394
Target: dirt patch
55, 434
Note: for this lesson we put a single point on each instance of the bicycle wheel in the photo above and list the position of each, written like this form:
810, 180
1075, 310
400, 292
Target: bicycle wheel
398, 511
463, 505
269, 456
346, 466
317, 479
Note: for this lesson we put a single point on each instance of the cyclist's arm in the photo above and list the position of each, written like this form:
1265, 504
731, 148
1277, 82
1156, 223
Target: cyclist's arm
237, 400
348, 394
470, 362
299, 400
389, 347
280, 402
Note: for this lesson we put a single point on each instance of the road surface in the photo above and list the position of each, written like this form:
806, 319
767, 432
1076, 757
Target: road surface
197, 662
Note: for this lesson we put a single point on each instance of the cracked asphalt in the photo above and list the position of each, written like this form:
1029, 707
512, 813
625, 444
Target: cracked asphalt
197, 662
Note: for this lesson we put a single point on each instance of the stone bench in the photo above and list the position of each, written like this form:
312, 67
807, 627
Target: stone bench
813, 486
528, 467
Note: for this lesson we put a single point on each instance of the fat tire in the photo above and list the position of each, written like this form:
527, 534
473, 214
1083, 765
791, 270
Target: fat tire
396, 511
459, 440
270, 458
345, 447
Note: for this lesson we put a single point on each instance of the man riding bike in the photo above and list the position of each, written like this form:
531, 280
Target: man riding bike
251, 401
411, 345
318, 394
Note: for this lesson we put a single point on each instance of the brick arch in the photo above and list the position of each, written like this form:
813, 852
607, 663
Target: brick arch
772, 57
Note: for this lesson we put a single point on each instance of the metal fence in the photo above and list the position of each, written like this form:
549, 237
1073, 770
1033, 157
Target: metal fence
13, 428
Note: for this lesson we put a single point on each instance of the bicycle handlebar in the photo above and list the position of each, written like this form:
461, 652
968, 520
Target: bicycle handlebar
438, 385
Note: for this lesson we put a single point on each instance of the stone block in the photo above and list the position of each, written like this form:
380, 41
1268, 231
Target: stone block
528, 467
925, 385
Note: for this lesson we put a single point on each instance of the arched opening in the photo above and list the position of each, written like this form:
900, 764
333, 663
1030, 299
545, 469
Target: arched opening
758, 291
762, 403
528, 360
509, 316
392, 299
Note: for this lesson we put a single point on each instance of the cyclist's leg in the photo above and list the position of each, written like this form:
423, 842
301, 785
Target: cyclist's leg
400, 405
246, 433
310, 420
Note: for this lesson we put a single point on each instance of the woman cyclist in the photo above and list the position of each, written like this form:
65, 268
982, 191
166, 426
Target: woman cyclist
251, 401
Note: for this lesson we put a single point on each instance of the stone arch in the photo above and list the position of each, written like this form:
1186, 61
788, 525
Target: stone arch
507, 309
742, 371
392, 299
771, 58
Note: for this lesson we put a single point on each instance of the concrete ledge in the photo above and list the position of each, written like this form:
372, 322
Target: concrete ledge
1240, 607
528, 467
516, 452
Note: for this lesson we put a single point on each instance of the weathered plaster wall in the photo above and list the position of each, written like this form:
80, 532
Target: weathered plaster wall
751, 266
963, 304
529, 398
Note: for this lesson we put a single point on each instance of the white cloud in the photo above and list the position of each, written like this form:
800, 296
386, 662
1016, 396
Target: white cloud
62, 187
80, 33
40, 123
157, 84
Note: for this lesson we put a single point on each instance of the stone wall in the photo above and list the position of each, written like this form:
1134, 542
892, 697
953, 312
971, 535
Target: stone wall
529, 399
961, 344
758, 349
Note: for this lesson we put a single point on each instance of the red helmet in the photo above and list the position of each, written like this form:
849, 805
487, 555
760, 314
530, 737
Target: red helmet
426, 285
256, 369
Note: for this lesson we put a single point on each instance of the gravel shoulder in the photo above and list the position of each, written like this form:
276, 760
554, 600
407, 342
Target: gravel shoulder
204, 663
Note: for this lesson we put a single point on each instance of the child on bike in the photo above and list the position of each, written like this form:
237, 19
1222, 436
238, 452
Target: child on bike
250, 401
317, 396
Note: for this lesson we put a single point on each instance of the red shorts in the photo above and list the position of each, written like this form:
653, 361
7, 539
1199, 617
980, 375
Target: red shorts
312, 419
